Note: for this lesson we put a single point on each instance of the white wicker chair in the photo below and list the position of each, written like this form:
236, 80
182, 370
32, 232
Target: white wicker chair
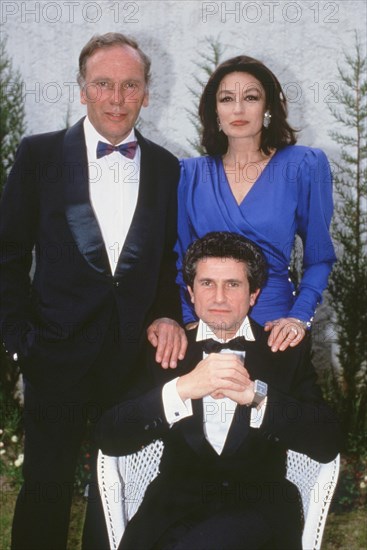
124, 480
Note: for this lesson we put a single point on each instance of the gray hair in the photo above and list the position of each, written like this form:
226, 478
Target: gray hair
104, 41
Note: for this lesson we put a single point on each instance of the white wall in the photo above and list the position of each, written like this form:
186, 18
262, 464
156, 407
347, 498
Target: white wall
301, 41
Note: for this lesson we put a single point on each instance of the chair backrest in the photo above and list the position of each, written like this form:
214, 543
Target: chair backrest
123, 481
316, 482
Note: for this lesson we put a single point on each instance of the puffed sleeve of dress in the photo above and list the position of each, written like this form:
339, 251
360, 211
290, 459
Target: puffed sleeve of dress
314, 212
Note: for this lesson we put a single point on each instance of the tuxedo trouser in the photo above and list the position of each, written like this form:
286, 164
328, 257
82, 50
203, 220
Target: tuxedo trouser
263, 516
95, 535
226, 530
231, 531
55, 425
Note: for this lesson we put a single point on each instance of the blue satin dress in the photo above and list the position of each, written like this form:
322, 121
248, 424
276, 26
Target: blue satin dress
293, 195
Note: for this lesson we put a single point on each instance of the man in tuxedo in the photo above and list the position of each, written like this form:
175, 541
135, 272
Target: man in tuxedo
226, 419
96, 203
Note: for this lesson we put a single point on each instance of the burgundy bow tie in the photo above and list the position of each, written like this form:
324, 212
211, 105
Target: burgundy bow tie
236, 344
126, 149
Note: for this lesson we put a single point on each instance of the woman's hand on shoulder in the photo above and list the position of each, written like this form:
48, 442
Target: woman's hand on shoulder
284, 332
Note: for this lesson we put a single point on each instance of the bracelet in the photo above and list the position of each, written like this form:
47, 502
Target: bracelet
306, 325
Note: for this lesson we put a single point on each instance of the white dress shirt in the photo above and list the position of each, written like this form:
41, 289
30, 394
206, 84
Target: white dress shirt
113, 188
217, 413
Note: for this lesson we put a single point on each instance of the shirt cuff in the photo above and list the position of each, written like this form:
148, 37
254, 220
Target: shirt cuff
257, 415
174, 408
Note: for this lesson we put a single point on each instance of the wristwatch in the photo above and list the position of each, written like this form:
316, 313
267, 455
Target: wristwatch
261, 391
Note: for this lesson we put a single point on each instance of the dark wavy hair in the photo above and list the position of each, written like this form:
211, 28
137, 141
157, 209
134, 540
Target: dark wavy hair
223, 244
277, 135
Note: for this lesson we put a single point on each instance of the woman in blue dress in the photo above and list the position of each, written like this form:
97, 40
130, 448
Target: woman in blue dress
257, 182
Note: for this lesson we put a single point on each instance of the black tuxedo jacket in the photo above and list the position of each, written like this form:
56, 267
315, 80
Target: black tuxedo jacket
192, 474
57, 323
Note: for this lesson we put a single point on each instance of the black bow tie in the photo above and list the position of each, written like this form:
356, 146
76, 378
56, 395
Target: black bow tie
236, 344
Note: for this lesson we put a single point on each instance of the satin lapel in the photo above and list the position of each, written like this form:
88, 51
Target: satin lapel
192, 428
239, 430
194, 354
144, 218
79, 212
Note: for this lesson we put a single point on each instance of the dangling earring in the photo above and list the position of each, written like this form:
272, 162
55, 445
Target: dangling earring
219, 124
267, 117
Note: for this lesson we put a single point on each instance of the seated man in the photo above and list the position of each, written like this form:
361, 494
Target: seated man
227, 419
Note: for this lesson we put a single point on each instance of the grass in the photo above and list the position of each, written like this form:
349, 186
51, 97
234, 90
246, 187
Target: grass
345, 531
7, 500
76, 523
